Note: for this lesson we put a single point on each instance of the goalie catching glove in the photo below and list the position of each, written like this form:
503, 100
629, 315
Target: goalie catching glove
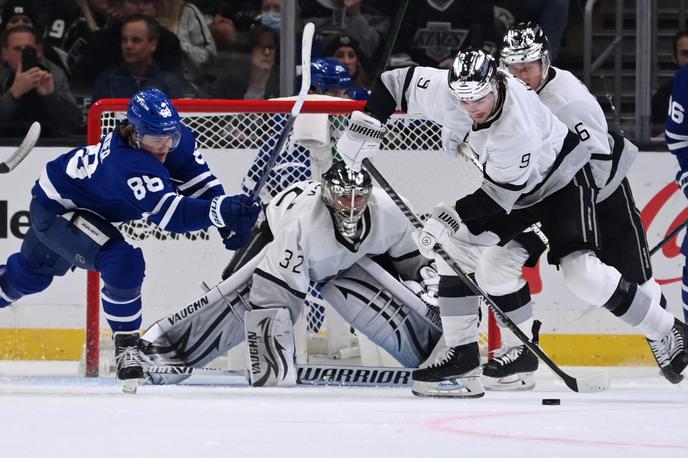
234, 217
361, 139
443, 223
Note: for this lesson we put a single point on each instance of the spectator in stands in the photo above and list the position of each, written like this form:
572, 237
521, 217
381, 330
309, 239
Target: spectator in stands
33, 91
367, 21
139, 69
21, 12
660, 101
232, 22
198, 46
256, 78
104, 49
345, 49
271, 14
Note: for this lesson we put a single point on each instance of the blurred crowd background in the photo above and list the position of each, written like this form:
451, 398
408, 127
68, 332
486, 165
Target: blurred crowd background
61, 56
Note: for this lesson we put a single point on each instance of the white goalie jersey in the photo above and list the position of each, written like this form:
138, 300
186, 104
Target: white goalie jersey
307, 247
571, 102
520, 170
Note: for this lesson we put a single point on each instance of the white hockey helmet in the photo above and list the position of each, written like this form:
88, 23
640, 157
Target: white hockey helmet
473, 75
346, 193
525, 42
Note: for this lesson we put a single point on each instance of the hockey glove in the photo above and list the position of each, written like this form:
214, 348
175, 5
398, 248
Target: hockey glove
682, 181
234, 217
439, 228
361, 139
233, 240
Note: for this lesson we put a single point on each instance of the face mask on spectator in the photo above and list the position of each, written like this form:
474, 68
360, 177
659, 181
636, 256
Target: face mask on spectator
272, 19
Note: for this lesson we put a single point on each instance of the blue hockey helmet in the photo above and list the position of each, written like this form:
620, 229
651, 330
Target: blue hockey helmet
152, 114
328, 73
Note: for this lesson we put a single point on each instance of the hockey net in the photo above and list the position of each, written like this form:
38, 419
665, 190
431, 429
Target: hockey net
411, 158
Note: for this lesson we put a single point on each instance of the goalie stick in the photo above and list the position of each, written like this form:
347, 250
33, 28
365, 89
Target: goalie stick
306, 42
24, 149
591, 384
310, 374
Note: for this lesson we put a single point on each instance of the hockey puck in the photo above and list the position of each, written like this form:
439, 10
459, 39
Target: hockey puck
551, 402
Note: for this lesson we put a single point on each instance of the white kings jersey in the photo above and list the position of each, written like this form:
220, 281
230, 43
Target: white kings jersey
307, 247
571, 102
519, 146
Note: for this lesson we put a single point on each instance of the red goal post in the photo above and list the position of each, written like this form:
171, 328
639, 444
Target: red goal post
411, 158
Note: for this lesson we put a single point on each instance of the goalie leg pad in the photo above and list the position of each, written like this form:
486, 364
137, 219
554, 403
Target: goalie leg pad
271, 352
200, 331
383, 314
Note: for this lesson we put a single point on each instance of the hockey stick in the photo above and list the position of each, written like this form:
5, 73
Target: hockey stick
592, 384
306, 43
389, 46
24, 149
669, 236
310, 374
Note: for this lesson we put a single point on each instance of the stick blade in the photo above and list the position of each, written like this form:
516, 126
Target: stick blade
595, 383
23, 150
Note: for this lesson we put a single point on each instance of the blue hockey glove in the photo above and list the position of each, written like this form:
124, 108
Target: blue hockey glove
234, 217
682, 181
233, 240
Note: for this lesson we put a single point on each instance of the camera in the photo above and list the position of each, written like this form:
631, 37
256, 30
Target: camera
29, 58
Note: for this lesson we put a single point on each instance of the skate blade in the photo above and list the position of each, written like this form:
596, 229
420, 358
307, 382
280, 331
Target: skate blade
464, 387
129, 386
516, 382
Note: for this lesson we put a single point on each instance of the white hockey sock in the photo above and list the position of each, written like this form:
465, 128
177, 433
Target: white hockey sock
509, 339
657, 322
460, 330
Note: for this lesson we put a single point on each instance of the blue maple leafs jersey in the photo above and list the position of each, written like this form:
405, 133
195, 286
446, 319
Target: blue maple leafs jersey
676, 122
121, 183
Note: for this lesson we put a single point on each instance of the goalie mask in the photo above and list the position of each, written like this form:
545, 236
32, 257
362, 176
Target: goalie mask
525, 42
346, 193
473, 75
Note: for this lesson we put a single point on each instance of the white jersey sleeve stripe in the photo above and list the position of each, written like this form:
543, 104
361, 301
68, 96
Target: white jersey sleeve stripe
677, 145
52, 193
194, 181
161, 202
674, 136
210, 184
170, 212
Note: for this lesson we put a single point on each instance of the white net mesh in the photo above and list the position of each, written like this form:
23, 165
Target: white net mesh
411, 159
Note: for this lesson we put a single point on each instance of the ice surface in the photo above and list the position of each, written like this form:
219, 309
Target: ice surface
53, 413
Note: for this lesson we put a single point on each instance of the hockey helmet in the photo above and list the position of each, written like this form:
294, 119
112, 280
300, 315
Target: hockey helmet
473, 75
346, 193
525, 42
328, 73
153, 115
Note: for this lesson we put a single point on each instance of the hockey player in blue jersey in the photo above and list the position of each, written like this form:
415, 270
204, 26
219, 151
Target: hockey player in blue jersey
148, 167
677, 141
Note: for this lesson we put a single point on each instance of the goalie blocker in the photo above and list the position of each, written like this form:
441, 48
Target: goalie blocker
361, 139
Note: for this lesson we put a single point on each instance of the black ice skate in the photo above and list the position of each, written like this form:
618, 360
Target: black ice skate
127, 360
671, 352
512, 368
455, 373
